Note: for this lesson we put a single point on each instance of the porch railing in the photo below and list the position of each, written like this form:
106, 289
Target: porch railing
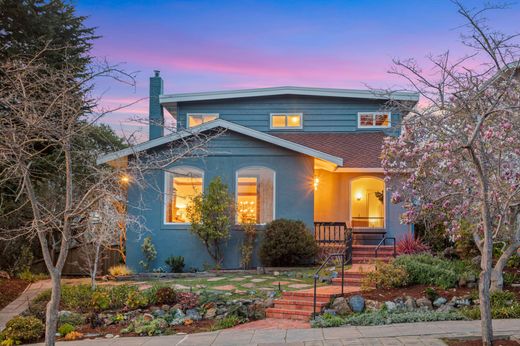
317, 276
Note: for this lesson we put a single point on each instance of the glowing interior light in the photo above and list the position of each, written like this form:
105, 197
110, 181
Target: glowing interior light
316, 183
125, 179
359, 195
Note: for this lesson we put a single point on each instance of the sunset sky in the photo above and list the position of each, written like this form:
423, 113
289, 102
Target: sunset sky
216, 45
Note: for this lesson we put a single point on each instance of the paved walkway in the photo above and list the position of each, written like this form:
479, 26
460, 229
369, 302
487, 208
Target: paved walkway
21, 303
423, 333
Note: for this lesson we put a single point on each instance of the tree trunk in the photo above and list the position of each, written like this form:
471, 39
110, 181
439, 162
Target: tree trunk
93, 271
485, 302
51, 315
497, 280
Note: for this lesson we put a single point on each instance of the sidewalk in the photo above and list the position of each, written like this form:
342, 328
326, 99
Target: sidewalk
423, 333
21, 303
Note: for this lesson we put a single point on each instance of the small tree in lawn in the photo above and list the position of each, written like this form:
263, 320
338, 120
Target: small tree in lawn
211, 217
457, 161
247, 220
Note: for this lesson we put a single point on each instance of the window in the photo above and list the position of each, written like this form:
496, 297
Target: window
255, 195
182, 184
367, 200
374, 119
286, 120
196, 119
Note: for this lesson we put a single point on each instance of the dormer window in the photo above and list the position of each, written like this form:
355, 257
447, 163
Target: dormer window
196, 119
373, 119
286, 120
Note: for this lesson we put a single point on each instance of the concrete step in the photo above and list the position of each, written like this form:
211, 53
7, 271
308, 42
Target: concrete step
303, 305
288, 314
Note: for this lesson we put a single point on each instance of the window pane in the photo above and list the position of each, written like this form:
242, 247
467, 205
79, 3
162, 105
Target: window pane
366, 120
278, 121
199, 119
367, 203
382, 120
183, 185
255, 195
294, 120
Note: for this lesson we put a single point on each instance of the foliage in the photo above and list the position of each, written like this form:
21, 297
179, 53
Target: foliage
119, 270
136, 299
434, 236
514, 260
431, 293
327, 321
66, 328
23, 329
166, 295
100, 300
248, 224
74, 335
409, 245
37, 307
144, 327
426, 269
27, 275
511, 278
76, 297
187, 300
504, 304
287, 243
72, 318
119, 294
464, 244
176, 264
227, 322
211, 217
149, 253
386, 275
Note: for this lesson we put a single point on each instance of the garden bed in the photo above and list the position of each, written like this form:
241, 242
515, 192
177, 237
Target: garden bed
10, 290
478, 342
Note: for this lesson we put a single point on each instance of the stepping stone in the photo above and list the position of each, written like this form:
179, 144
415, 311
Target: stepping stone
240, 292
249, 285
215, 279
276, 283
180, 287
224, 288
237, 279
265, 288
144, 287
258, 280
248, 276
299, 286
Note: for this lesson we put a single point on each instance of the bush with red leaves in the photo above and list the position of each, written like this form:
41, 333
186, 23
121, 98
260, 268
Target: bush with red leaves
409, 245
187, 300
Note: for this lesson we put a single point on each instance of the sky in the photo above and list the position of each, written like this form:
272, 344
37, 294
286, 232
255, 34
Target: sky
219, 45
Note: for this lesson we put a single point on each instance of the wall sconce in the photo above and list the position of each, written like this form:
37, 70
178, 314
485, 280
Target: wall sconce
359, 195
316, 183
125, 179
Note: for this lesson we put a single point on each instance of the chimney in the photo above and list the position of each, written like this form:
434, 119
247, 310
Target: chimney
156, 113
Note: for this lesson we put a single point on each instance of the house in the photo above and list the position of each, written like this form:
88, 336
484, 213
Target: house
311, 154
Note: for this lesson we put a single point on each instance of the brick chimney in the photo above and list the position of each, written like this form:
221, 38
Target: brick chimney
156, 113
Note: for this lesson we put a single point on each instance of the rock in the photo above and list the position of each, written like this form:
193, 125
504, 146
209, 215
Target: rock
4, 275
64, 314
445, 308
472, 284
147, 317
341, 306
165, 307
409, 304
159, 313
372, 305
91, 335
269, 303
424, 303
460, 301
177, 313
439, 301
177, 321
276, 273
334, 274
330, 312
193, 314
109, 336
210, 314
326, 279
390, 306
357, 303
462, 281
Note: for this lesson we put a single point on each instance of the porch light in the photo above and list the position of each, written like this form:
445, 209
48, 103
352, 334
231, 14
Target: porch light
359, 195
125, 179
316, 183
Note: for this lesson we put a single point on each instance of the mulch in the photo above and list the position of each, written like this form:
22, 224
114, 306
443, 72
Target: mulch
478, 342
10, 290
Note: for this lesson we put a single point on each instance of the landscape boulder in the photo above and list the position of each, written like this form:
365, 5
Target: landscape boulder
439, 301
390, 306
424, 303
372, 305
341, 306
357, 303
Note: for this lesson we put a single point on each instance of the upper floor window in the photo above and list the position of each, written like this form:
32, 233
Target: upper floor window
373, 119
196, 119
286, 120
255, 195
182, 185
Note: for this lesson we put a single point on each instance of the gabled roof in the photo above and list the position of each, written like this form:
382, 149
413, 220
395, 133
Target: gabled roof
358, 150
219, 123
291, 90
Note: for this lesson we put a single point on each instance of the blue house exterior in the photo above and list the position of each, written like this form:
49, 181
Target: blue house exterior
310, 154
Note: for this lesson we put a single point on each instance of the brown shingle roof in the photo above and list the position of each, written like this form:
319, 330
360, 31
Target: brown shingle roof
358, 150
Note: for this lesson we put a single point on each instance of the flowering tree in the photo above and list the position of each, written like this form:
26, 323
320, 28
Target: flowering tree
457, 160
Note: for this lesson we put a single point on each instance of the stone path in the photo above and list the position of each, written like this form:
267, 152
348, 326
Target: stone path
21, 303
423, 333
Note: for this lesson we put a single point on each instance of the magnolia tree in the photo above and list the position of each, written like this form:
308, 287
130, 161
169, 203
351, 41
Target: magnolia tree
457, 161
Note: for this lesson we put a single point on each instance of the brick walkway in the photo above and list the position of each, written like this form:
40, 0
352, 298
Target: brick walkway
423, 333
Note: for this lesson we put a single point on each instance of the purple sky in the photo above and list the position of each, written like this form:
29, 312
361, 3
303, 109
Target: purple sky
216, 45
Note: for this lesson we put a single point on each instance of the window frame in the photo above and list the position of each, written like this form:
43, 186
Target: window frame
274, 192
286, 114
374, 126
217, 115
168, 173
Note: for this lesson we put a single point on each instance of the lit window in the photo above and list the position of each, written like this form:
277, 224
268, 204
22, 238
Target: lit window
182, 185
367, 203
196, 119
255, 195
286, 121
374, 119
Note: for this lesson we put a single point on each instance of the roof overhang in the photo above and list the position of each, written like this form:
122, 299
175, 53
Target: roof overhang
291, 90
219, 123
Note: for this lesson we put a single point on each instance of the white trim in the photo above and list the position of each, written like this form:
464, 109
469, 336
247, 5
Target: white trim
291, 90
359, 170
217, 115
287, 115
374, 119
274, 191
227, 125
168, 172
384, 201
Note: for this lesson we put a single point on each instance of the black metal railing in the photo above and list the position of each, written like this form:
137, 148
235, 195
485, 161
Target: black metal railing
383, 243
317, 276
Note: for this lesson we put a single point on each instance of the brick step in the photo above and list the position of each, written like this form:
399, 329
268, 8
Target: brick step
308, 296
348, 281
372, 247
288, 314
372, 253
302, 305
361, 260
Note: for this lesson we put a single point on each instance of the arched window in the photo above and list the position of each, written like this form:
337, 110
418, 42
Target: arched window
367, 200
255, 193
182, 184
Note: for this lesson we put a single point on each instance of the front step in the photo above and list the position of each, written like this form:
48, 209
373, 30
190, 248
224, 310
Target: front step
288, 314
308, 296
302, 305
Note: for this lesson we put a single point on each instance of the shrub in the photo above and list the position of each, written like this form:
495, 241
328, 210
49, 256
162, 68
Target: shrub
65, 329
165, 295
144, 327
23, 330
386, 275
465, 245
504, 304
187, 300
27, 275
73, 336
287, 243
511, 278
408, 245
149, 252
136, 299
71, 318
119, 294
37, 307
176, 264
100, 300
120, 270
76, 297
227, 322
327, 320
